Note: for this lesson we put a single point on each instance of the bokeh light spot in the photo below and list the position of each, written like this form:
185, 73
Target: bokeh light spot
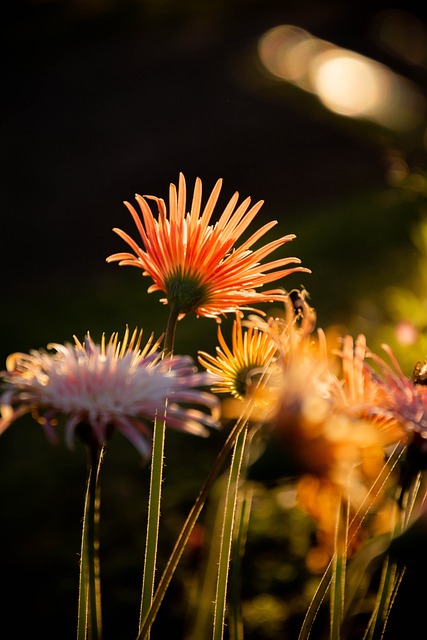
346, 82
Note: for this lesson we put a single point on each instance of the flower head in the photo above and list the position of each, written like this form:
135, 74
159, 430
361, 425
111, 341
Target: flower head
402, 403
402, 399
251, 352
360, 391
242, 370
106, 386
329, 439
314, 420
195, 263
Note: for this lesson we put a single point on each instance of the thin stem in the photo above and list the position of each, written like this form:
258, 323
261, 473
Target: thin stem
339, 569
169, 341
89, 611
187, 529
236, 631
227, 536
392, 575
153, 518
360, 515
376, 622
202, 621
242, 520
155, 495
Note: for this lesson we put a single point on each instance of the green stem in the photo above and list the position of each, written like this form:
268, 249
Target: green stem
89, 611
227, 536
242, 521
169, 341
376, 624
339, 570
155, 495
360, 515
153, 518
392, 575
187, 529
236, 631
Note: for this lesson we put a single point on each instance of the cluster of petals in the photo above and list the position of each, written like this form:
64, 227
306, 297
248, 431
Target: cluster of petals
106, 386
332, 442
196, 263
381, 411
334, 416
322, 402
323, 440
244, 366
402, 401
244, 371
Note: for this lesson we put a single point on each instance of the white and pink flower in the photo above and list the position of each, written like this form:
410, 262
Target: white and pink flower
106, 386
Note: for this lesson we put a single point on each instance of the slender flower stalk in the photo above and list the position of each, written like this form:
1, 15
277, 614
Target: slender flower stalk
169, 342
153, 517
227, 535
339, 569
191, 520
243, 371
242, 521
89, 610
155, 495
195, 263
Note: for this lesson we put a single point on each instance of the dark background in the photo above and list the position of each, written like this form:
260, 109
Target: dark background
102, 100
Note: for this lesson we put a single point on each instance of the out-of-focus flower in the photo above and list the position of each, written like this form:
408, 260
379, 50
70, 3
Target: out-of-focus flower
291, 329
329, 439
304, 424
352, 450
301, 366
195, 263
323, 399
402, 399
106, 386
358, 392
403, 403
334, 455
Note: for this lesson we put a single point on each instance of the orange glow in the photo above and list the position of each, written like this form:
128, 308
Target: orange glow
346, 82
355, 86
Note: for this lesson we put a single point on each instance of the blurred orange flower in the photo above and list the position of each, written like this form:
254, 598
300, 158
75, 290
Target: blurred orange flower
322, 419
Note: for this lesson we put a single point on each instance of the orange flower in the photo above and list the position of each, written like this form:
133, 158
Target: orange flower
195, 263
363, 394
321, 419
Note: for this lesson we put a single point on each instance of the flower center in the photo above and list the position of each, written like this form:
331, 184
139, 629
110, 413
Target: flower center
245, 381
186, 292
